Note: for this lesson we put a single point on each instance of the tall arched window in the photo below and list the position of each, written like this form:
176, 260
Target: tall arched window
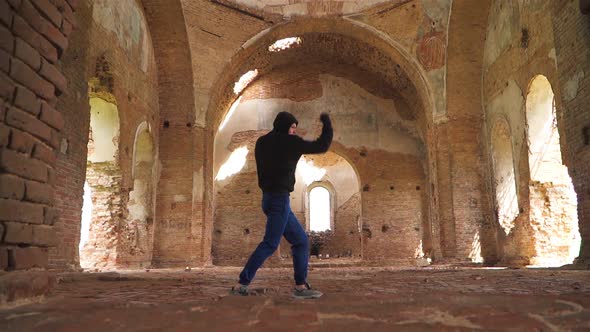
553, 201
320, 209
103, 180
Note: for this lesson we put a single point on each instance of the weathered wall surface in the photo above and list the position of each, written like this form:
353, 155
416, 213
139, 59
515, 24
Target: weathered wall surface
519, 46
111, 52
572, 49
346, 240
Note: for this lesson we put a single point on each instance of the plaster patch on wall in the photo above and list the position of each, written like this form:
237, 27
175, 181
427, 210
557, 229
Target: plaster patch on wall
180, 198
201, 103
503, 25
438, 83
359, 118
509, 103
438, 11
125, 19
553, 55
198, 185
137, 198
531, 5
571, 86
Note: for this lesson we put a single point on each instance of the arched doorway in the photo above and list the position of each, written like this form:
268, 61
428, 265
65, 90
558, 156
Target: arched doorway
553, 202
101, 208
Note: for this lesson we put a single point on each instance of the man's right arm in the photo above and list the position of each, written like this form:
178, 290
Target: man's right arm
322, 143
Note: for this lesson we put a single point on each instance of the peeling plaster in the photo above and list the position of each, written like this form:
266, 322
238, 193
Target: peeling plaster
438, 11
438, 82
504, 23
126, 20
553, 55
571, 87
198, 185
509, 103
359, 118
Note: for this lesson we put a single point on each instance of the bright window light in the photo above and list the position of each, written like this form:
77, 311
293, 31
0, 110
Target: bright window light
246, 79
229, 114
309, 172
283, 44
234, 164
319, 209
86, 216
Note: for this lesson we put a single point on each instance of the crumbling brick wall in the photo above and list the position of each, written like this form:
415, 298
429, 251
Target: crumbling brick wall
34, 36
519, 46
346, 240
113, 54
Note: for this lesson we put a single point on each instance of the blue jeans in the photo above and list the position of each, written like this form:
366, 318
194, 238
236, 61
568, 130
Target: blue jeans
280, 221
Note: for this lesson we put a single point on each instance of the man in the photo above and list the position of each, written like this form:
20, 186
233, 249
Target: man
277, 154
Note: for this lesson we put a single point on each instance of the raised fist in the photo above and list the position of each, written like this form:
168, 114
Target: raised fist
324, 117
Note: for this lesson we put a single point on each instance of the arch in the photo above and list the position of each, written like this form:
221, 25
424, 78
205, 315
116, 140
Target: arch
253, 55
553, 200
138, 228
245, 59
98, 244
143, 138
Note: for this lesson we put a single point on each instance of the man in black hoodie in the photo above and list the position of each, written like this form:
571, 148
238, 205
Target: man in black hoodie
277, 154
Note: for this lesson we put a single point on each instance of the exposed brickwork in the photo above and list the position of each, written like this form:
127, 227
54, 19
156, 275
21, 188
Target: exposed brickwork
179, 219
101, 60
346, 241
572, 45
30, 40
467, 28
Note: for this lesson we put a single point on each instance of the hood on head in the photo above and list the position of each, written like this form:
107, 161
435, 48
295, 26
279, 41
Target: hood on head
283, 122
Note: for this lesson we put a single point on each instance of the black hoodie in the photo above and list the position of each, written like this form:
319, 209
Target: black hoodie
277, 153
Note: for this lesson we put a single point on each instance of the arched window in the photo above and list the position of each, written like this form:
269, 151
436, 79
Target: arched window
553, 201
320, 209
103, 177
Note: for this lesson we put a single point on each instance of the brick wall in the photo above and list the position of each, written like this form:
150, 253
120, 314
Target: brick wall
520, 45
33, 37
119, 68
466, 186
572, 44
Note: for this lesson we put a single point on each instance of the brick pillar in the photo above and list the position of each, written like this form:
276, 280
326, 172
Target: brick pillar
572, 45
33, 36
